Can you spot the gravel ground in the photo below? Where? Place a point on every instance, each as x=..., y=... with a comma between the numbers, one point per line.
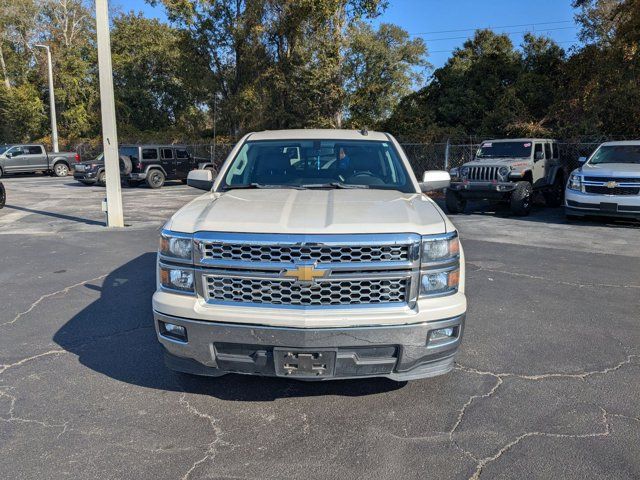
x=546, y=385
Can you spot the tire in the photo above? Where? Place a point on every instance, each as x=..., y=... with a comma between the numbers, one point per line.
x=61, y=169
x=0, y=173
x=155, y=178
x=3, y=195
x=454, y=202
x=521, y=199
x=554, y=197
x=101, y=179
x=125, y=164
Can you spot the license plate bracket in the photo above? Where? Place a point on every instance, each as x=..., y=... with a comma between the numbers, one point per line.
x=310, y=363
x=608, y=207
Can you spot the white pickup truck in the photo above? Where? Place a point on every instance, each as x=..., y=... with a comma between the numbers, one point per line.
x=313, y=255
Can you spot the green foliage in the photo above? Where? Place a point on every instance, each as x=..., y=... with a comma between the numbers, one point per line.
x=21, y=113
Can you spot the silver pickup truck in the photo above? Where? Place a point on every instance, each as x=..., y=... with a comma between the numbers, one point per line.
x=31, y=158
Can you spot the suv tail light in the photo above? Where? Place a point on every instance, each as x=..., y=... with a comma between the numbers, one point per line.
x=77, y=157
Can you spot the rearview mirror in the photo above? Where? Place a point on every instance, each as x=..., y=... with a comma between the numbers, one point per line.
x=435, y=180
x=582, y=160
x=200, y=179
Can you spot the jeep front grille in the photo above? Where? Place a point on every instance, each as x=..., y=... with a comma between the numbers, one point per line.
x=483, y=173
x=322, y=293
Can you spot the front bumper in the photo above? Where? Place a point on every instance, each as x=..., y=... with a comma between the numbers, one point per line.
x=399, y=352
x=475, y=189
x=582, y=204
x=89, y=177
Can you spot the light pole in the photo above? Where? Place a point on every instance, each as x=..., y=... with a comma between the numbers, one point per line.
x=52, y=100
x=115, y=217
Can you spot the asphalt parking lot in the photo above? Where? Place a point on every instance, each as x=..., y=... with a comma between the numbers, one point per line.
x=547, y=381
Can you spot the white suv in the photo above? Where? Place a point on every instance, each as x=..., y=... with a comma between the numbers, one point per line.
x=313, y=255
x=607, y=184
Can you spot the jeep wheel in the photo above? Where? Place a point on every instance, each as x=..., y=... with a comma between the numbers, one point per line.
x=521, y=199
x=155, y=178
x=554, y=197
x=101, y=180
x=60, y=169
x=454, y=202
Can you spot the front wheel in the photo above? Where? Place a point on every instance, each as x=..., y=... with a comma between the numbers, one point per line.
x=155, y=179
x=521, y=199
x=60, y=169
x=454, y=202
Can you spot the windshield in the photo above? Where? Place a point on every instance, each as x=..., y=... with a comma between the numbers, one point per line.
x=504, y=150
x=317, y=164
x=616, y=154
x=4, y=148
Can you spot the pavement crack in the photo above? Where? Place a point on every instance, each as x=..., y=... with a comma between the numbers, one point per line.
x=63, y=291
x=212, y=447
x=482, y=463
x=559, y=282
x=10, y=416
x=7, y=366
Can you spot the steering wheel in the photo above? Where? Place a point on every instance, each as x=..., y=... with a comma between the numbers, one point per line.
x=363, y=173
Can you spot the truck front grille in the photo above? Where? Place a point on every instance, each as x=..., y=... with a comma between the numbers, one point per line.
x=483, y=173
x=308, y=271
x=304, y=253
x=602, y=190
x=286, y=292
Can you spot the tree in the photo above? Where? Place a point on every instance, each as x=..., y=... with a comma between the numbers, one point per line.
x=380, y=68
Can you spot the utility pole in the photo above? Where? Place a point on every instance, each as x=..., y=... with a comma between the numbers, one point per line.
x=52, y=100
x=107, y=106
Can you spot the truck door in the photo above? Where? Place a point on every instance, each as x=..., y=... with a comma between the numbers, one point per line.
x=539, y=164
x=16, y=160
x=168, y=162
x=183, y=163
x=37, y=157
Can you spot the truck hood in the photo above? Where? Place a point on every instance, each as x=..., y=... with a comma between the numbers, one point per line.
x=311, y=212
x=612, y=170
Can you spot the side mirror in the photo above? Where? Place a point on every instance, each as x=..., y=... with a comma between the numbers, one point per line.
x=539, y=156
x=9, y=155
x=200, y=179
x=582, y=160
x=435, y=180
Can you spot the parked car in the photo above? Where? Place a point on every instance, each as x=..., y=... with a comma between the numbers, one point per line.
x=90, y=172
x=317, y=257
x=154, y=164
x=606, y=184
x=31, y=158
x=509, y=171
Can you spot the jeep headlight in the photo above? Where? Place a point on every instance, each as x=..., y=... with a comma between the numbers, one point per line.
x=177, y=246
x=575, y=182
x=440, y=265
x=504, y=171
x=464, y=172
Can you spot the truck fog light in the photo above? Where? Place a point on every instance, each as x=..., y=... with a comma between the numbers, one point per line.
x=177, y=278
x=442, y=333
x=171, y=330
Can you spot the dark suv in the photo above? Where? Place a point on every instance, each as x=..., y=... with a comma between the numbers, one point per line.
x=152, y=164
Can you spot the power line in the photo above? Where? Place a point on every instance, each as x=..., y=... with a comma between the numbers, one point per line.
x=451, y=50
x=503, y=33
x=503, y=26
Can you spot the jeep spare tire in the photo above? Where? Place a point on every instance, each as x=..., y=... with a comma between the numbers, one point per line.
x=125, y=165
x=521, y=198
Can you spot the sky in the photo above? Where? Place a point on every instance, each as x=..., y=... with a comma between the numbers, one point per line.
x=434, y=20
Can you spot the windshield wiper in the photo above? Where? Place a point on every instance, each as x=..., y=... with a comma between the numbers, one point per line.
x=333, y=185
x=246, y=186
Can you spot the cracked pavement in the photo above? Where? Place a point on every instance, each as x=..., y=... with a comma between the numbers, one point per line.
x=546, y=385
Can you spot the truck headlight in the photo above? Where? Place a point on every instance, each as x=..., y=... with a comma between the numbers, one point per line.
x=176, y=245
x=177, y=278
x=440, y=248
x=575, y=182
x=439, y=283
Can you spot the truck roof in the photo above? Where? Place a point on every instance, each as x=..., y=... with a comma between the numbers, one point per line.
x=318, y=134
x=498, y=140
x=622, y=143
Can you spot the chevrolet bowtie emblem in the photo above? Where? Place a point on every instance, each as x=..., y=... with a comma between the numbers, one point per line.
x=305, y=273
x=611, y=184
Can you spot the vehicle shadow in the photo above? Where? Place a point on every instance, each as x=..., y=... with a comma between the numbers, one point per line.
x=115, y=336
x=61, y=216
